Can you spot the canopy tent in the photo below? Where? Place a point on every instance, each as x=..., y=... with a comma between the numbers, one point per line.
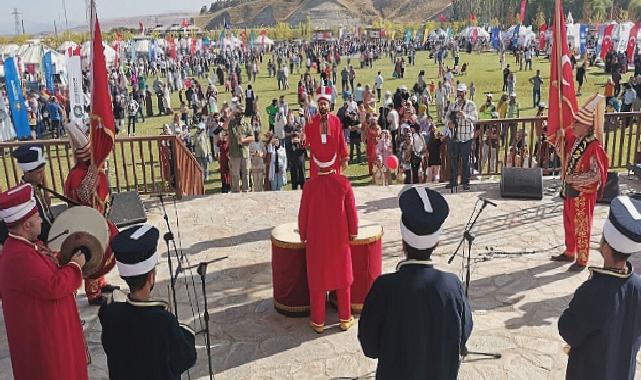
x=263, y=40
x=480, y=32
x=524, y=37
x=31, y=54
x=85, y=54
x=9, y=50
x=437, y=33
x=142, y=46
x=64, y=47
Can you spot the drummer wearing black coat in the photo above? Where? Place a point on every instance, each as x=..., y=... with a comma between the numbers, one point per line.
x=417, y=320
x=142, y=340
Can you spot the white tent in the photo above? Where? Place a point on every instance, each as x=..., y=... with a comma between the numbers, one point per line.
x=64, y=47
x=85, y=54
x=437, y=33
x=263, y=40
x=469, y=31
x=142, y=46
x=31, y=54
x=9, y=50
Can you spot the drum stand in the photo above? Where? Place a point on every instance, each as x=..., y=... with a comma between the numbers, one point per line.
x=469, y=238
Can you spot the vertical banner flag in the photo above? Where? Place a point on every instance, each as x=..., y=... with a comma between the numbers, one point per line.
x=599, y=41
x=523, y=9
x=16, y=99
x=563, y=104
x=624, y=35
x=583, y=37
x=607, y=43
x=515, y=36
x=632, y=41
x=542, y=29
x=6, y=128
x=76, y=96
x=103, y=128
x=47, y=64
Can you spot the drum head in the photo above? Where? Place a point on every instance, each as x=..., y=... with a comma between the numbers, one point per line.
x=75, y=219
x=87, y=243
x=287, y=235
x=368, y=232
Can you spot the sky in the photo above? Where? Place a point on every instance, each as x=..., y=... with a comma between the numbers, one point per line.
x=37, y=14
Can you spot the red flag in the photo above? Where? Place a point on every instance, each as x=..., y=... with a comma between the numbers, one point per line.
x=184, y=23
x=172, y=48
x=263, y=32
x=102, y=128
x=442, y=18
x=141, y=26
x=523, y=9
x=472, y=17
x=632, y=41
x=563, y=103
x=542, y=40
x=606, y=45
x=474, y=36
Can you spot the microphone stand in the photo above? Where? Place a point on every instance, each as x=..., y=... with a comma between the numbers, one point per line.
x=167, y=237
x=467, y=236
x=202, y=271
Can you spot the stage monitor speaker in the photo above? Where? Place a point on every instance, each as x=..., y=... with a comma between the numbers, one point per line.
x=522, y=183
x=127, y=209
x=611, y=189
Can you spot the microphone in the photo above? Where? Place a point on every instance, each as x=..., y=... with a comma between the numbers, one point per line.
x=485, y=200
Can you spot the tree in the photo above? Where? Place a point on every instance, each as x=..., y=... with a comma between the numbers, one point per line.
x=203, y=10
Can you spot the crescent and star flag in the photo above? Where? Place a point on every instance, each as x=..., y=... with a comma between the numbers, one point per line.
x=606, y=45
x=632, y=41
x=16, y=99
x=562, y=95
x=103, y=128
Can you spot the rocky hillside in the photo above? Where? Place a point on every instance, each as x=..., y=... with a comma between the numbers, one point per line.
x=323, y=13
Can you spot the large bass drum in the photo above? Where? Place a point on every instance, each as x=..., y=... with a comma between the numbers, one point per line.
x=80, y=229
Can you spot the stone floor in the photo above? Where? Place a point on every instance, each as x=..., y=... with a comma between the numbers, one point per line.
x=516, y=298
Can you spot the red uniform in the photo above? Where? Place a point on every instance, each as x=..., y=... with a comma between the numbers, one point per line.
x=331, y=150
x=326, y=219
x=43, y=326
x=587, y=169
x=91, y=189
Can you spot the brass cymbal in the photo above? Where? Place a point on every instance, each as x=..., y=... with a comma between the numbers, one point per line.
x=86, y=243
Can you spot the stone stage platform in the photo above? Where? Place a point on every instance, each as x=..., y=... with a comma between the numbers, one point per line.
x=516, y=298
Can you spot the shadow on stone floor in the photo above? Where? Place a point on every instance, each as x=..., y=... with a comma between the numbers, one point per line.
x=539, y=313
x=230, y=241
x=378, y=205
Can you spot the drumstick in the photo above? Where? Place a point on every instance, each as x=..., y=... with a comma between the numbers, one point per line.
x=65, y=232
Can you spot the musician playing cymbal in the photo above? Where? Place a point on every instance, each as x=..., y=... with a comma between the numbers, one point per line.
x=32, y=162
x=141, y=338
x=38, y=297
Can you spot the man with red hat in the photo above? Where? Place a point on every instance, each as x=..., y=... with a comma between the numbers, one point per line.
x=324, y=137
x=586, y=173
x=88, y=186
x=38, y=297
x=327, y=221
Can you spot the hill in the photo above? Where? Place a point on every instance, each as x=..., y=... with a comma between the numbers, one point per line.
x=323, y=13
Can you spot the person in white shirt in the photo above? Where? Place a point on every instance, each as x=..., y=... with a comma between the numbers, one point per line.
x=379, y=85
x=461, y=117
x=392, y=122
x=359, y=93
x=256, y=153
x=277, y=165
x=132, y=111
x=439, y=100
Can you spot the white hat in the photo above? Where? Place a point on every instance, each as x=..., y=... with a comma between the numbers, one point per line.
x=461, y=87
x=622, y=229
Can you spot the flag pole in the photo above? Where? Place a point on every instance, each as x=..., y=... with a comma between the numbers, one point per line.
x=559, y=63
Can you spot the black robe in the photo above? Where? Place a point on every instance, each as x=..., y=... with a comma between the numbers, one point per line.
x=602, y=325
x=144, y=341
x=416, y=323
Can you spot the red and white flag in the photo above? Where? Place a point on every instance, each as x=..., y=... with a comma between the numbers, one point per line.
x=632, y=41
x=563, y=104
x=607, y=43
x=523, y=10
x=103, y=128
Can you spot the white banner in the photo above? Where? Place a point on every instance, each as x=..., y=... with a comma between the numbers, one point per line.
x=6, y=128
x=76, y=96
x=623, y=36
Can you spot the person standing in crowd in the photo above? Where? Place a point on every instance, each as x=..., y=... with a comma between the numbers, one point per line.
x=141, y=338
x=55, y=116
x=202, y=150
x=257, y=154
x=462, y=115
x=223, y=146
x=373, y=134
x=586, y=173
x=327, y=221
x=296, y=162
x=434, y=143
x=132, y=113
x=581, y=75
x=240, y=136
x=537, y=82
x=379, y=86
x=393, y=121
x=43, y=327
x=278, y=165
x=417, y=320
x=272, y=111
x=418, y=146
x=602, y=324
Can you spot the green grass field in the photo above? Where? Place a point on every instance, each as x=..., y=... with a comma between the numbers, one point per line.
x=484, y=70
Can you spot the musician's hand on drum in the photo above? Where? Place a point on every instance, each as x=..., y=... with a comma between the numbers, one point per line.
x=79, y=258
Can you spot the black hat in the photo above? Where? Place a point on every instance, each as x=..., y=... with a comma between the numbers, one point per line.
x=135, y=250
x=423, y=212
x=622, y=229
x=30, y=157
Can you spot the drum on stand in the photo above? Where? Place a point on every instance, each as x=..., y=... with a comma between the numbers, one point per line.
x=367, y=263
x=289, y=271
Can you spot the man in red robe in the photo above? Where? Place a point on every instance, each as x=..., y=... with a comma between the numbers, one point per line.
x=324, y=137
x=88, y=186
x=327, y=221
x=45, y=337
x=586, y=173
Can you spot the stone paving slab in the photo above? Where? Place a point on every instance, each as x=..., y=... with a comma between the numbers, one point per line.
x=516, y=299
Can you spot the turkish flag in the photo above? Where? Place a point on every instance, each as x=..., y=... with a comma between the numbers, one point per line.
x=564, y=99
x=606, y=45
x=103, y=128
x=632, y=41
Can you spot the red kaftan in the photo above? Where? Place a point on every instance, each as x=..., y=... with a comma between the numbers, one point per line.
x=43, y=327
x=326, y=219
x=587, y=177
x=96, y=196
x=334, y=147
